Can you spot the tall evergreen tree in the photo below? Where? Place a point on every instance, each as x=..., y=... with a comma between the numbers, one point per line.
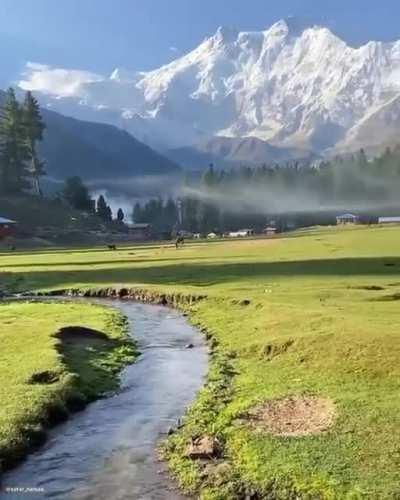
x=102, y=209
x=77, y=194
x=190, y=209
x=109, y=214
x=209, y=219
x=170, y=213
x=14, y=151
x=34, y=128
x=137, y=214
x=120, y=215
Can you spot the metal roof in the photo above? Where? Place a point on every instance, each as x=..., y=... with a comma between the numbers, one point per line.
x=3, y=220
x=389, y=219
x=347, y=216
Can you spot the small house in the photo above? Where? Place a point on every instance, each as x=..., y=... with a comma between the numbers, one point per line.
x=347, y=219
x=140, y=231
x=389, y=220
x=242, y=233
x=7, y=227
x=270, y=231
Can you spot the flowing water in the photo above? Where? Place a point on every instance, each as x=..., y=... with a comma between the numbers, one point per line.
x=108, y=451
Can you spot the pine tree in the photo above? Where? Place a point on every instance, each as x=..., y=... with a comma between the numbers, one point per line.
x=208, y=211
x=101, y=207
x=109, y=214
x=34, y=128
x=137, y=214
x=13, y=146
x=3, y=163
x=120, y=215
x=170, y=214
x=189, y=207
x=103, y=210
x=77, y=194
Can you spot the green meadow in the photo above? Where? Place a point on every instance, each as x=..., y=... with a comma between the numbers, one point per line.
x=309, y=314
x=43, y=376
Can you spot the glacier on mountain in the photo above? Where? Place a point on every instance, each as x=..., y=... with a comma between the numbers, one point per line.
x=291, y=85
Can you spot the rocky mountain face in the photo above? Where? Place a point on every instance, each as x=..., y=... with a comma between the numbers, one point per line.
x=234, y=152
x=292, y=86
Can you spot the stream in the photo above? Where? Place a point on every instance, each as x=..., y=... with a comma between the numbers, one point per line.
x=108, y=451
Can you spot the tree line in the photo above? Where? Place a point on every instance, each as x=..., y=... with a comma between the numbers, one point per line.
x=21, y=129
x=303, y=195
x=21, y=167
x=77, y=194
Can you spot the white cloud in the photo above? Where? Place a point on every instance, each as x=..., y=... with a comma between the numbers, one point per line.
x=174, y=49
x=37, y=66
x=56, y=81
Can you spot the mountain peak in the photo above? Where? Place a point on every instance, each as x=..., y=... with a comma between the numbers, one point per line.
x=226, y=34
x=296, y=84
x=121, y=75
x=294, y=25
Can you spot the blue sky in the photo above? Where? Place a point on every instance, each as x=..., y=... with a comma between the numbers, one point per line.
x=99, y=35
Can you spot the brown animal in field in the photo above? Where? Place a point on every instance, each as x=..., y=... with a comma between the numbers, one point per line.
x=112, y=247
x=180, y=241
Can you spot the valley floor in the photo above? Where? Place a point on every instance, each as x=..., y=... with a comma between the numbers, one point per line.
x=310, y=317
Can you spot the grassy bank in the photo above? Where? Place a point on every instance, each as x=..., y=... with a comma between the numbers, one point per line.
x=46, y=371
x=311, y=315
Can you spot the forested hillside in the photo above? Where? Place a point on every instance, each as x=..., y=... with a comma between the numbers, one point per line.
x=96, y=151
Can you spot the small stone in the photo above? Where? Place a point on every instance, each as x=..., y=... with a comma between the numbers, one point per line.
x=202, y=448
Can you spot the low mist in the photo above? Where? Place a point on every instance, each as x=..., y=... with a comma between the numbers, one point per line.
x=279, y=201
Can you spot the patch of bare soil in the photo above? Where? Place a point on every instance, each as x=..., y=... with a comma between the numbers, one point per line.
x=294, y=416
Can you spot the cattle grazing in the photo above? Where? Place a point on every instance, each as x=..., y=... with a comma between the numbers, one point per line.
x=180, y=241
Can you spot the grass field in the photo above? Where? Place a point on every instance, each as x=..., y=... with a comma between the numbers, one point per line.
x=43, y=376
x=314, y=313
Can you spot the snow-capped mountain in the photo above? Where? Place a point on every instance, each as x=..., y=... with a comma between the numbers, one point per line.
x=292, y=86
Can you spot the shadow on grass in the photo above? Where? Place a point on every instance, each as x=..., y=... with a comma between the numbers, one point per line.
x=205, y=274
x=128, y=260
x=54, y=250
x=96, y=358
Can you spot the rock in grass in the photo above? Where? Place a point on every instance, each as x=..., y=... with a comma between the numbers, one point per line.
x=202, y=448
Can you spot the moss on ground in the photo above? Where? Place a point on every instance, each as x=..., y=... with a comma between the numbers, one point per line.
x=313, y=314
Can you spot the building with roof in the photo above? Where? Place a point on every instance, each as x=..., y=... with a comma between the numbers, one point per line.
x=389, y=220
x=270, y=230
x=139, y=232
x=242, y=233
x=7, y=227
x=347, y=219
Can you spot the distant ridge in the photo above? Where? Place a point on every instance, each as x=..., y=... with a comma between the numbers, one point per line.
x=229, y=152
x=96, y=151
